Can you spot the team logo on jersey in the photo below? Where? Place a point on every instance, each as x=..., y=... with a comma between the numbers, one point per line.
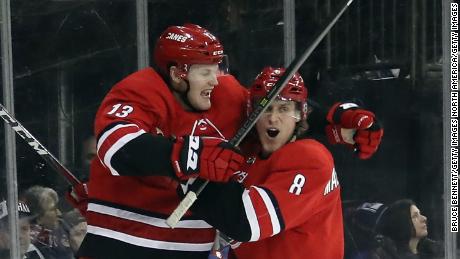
x=332, y=184
x=202, y=124
x=176, y=37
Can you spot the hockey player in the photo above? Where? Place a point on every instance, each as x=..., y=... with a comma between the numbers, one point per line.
x=286, y=203
x=129, y=199
x=27, y=250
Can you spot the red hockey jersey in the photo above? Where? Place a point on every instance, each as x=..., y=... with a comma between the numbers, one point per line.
x=126, y=214
x=293, y=205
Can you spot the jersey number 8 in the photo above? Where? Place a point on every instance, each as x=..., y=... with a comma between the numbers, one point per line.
x=297, y=184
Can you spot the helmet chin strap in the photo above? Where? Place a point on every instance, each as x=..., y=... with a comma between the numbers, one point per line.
x=184, y=96
x=297, y=125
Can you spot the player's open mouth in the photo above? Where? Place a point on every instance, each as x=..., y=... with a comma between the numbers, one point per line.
x=272, y=132
x=206, y=93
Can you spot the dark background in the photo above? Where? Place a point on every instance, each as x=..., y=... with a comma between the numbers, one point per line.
x=87, y=46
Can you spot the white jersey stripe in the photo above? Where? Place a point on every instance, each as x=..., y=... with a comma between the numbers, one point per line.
x=107, y=133
x=115, y=147
x=149, y=220
x=139, y=241
x=251, y=215
x=271, y=210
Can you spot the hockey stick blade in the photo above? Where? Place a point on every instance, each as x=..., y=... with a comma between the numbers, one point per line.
x=262, y=105
x=37, y=146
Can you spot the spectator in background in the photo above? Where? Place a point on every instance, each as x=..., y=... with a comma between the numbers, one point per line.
x=88, y=152
x=47, y=231
x=362, y=235
x=76, y=225
x=405, y=233
x=27, y=249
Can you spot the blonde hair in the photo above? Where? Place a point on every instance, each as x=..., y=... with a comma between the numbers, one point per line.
x=37, y=197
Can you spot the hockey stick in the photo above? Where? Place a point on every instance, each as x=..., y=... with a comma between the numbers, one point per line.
x=262, y=105
x=37, y=146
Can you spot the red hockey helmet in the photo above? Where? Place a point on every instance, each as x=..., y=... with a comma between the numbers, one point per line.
x=186, y=45
x=294, y=90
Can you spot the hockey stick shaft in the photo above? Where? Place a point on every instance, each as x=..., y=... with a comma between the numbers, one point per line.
x=37, y=146
x=262, y=105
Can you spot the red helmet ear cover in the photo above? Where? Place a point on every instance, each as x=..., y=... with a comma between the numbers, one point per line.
x=294, y=90
x=186, y=45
